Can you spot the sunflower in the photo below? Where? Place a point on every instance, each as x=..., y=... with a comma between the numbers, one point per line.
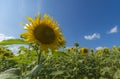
x=68, y=50
x=45, y=32
x=74, y=49
x=106, y=50
x=84, y=51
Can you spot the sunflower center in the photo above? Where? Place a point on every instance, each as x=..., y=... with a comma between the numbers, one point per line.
x=44, y=34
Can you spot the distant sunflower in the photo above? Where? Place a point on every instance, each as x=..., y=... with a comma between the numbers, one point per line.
x=68, y=50
x=74, y=49
x=44, y=32
x=84, y=51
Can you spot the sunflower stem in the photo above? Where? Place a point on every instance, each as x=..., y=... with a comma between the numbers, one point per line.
x=39, y=57
x=39, y=61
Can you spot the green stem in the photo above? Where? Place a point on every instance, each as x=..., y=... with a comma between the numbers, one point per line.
x=39, y=62
x=39, y=57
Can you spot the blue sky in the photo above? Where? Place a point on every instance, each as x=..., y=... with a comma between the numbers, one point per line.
x=91, y=23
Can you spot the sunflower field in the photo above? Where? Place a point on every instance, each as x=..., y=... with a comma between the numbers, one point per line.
x=46, y=56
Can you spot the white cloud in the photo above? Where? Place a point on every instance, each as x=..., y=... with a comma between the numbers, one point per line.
x=98, y=48
x=4, y=37
x=113, y=30
x=15, y=48
x=93, y=36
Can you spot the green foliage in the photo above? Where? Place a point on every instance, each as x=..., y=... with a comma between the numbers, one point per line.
x=13, y=41
x=6, y=59
x=12, y=73
x=100, y=64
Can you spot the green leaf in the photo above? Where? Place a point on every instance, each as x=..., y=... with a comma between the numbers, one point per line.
x=117, y=74
x=103, y=78
x=104, y=70
x=59, y=53
x=34, y=71
x=13, y=41
x=57, y=73
x=12, y=73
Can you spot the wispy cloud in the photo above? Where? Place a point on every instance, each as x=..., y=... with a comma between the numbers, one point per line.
x=98, y=48
x=113, y=30
x=93, y=36
x=4, y=37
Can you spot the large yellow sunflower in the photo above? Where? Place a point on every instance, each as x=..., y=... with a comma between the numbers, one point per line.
x=44, y=32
